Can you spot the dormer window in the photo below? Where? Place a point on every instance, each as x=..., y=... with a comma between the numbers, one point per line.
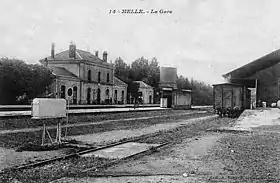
x=108, y=79
x=89, y=75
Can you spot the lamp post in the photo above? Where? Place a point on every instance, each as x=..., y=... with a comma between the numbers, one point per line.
x=69, y=93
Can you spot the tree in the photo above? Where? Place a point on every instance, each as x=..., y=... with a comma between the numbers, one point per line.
x=149, y=72
x=133, y=90
x=121, y=69
x=183, y=83
x=20, y=82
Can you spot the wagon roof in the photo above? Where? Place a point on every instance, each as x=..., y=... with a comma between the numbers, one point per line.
x=232, y=84
x=255, y=66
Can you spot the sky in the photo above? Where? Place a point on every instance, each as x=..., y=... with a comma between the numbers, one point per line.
x=202, y=38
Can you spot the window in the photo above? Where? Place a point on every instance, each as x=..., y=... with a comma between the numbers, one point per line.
x=122, y=97
x=99, y=77
x=62, y=91
x=108, y=78
x=75, y=89
x=89, y=75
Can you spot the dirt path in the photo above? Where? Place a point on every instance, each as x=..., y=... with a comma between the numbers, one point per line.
x=117, y=135
x=93, y=123
x=185, y=162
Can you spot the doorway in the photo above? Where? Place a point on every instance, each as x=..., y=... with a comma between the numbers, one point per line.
x=98, y=95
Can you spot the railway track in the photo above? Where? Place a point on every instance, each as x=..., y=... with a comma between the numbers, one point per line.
x=77, y=154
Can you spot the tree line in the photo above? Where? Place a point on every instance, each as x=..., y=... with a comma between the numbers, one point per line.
x=148, y=71
x=21, y=82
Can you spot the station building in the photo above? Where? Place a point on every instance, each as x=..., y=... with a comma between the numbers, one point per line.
x=86, y=77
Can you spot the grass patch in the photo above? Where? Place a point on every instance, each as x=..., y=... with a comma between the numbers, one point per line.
x=15, y=140
x=27, y=122
x=56, y=170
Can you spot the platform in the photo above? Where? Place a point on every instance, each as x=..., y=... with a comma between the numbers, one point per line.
x=81, y=111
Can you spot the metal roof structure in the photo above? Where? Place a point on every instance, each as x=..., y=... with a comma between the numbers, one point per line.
x=255, y=66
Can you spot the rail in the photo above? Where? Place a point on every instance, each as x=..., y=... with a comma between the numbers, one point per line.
x=47, y=161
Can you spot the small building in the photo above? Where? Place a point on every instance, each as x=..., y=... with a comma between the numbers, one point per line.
x=175, y=98
x=146, y=93
x=182, y=99
x=171, y=96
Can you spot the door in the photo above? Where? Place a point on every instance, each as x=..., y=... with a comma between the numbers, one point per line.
x=122, y=97
x=98, y=95
x=116, y=97
x=62, y=91
x=75, y=89
x=107, y=96
x=169, y=101
x=88, y=95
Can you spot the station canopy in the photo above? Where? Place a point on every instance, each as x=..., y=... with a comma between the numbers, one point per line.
x=241, y=74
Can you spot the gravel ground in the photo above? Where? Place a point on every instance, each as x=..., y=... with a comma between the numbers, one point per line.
x=73, y=167
x=250, y=157
x=208, y=157
x=14, y=140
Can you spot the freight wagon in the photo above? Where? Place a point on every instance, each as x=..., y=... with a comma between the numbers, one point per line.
x=231, y=99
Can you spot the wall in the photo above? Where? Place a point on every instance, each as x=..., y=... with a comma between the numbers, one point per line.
x=68, y=83
x=146, y=93
x=119, y=93
x=182, y=100
x=93, y=97
x=94, y=73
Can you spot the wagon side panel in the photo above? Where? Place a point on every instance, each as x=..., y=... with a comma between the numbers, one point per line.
x=218, y=97
x=227, y=97
x=237, y=97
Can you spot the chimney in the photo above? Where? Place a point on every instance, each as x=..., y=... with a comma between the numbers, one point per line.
x=46, y=62
x=96, y=53
x=72, y=50
x=105, y=54
x=52, y=51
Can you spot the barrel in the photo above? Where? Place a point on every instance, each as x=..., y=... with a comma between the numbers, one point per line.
x=264, y=104
x=278, y=103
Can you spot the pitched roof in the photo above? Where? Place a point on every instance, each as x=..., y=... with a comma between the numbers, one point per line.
x=143, y=85
x=80, y=55
x=118, y=82
x=59, y=71
x=255, y=66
